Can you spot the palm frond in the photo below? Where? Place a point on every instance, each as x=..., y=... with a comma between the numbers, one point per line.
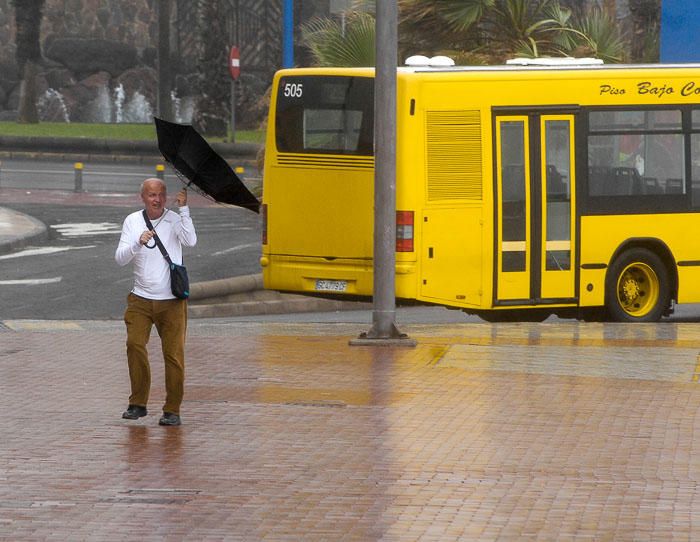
x=599, y=32
x=333, y=44
x=462, y=14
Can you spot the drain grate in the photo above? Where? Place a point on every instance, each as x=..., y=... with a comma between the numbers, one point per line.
x=331, y=404
x=157, y=496
x=145, y=500
x=11, y=352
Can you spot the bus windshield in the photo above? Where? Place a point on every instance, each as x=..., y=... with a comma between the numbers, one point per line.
x=329, y=114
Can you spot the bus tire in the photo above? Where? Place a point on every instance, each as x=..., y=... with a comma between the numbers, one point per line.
x=637, y=287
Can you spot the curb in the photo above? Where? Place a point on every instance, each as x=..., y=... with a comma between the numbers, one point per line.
x=245, y=296
x=109, y=147
x=289, y=304
x=32, y=230
x=223, y=287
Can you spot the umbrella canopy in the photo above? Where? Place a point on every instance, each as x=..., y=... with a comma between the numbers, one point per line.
x=192, y=157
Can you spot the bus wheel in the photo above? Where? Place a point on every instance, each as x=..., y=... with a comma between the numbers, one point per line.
x=637, y=287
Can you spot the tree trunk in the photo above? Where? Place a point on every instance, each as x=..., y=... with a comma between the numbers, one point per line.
x=165, y=109
x=646, y=24
x=28, y=54
x=28, y=112
x=212, y=109
x=610, y=6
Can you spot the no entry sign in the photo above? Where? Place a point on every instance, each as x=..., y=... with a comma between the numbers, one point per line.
x=234, y=62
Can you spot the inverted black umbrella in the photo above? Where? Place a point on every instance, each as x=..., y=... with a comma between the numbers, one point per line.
x=202, y=168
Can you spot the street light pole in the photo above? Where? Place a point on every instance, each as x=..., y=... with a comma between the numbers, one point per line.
x=384, y=330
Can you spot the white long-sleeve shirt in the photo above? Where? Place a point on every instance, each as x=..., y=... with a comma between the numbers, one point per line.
x=151, y=270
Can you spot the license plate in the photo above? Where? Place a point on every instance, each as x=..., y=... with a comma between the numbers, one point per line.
x=331, y=285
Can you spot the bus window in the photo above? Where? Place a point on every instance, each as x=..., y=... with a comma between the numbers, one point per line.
x=514, y=196
x=325, y=115
x=558, y=200
x=634, y=121
x=634, y=153
x=332, y=130
x=695, y=158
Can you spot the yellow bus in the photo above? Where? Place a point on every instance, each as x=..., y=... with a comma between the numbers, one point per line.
x=522, y=191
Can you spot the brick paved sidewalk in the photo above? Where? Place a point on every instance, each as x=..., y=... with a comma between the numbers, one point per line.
x=483, y=432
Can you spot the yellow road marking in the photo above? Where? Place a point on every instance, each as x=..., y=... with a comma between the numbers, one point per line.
x=437, y=353
x=696, y=374
x=42, y=325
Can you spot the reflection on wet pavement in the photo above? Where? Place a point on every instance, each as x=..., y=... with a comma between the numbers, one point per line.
x=481, y=432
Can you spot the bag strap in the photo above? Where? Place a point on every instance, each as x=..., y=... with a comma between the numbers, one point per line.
x=149, y=225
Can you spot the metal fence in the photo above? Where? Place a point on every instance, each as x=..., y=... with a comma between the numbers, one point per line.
x=255, y=26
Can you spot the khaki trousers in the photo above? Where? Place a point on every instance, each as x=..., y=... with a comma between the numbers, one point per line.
x=170, y=319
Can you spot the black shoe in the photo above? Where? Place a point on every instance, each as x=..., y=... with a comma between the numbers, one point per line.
x=134, y=412
x=168, y=418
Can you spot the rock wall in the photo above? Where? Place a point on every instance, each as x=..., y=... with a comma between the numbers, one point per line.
x=100, y=64
x=96, y=53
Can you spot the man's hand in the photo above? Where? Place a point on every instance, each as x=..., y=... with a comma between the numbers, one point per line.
x=146, y=237
x=181, y=198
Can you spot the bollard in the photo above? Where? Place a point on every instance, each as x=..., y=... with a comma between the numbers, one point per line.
x=239, y=169
x=160, y=171
x=78, y=167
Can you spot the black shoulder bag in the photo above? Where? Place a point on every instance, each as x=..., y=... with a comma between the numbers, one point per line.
x=179, y=282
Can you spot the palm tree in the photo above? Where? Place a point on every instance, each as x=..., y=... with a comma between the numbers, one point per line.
x=596, y=34
x=28, y=54
x=211, y=111
x=348, y=44
x=498, y=29
x=165, y=75
x=472, y=32
x=528, y=28
x=646, y=22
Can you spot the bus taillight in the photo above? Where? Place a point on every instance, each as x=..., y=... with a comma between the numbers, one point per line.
x=404, y=231
x=264, y=223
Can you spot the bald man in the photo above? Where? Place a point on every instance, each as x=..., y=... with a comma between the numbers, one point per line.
x=151, y=301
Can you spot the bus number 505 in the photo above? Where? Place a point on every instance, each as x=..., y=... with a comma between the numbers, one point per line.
x=293, y=90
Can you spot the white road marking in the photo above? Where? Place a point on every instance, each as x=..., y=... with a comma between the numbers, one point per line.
x=236, y=249
x=87, y=229
x=29, y=282
x=72, y=172
x=41, y=251
x=113, y=195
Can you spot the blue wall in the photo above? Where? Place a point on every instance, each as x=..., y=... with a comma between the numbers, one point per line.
x=680, y=31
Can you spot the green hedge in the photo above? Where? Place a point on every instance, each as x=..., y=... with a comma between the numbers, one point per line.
x=136, y=132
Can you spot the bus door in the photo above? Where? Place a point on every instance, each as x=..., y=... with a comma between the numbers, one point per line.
x=535, y=209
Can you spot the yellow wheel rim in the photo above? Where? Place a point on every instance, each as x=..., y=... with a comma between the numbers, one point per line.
x=638, y=289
